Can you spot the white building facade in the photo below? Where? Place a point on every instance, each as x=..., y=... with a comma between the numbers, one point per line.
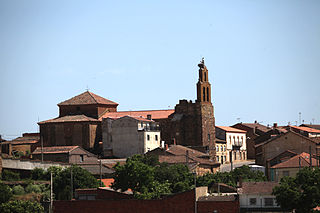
x=235, y=142
x=127, y=136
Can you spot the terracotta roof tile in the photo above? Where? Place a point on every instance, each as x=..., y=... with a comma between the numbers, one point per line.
x=231, y=129
x=69, y=118
x=87, y=98
x=313, y=126
x=306, y=129
x=55, y=149
x=294, y=162
x=256, y=125
x=155, y=114
x=257, y=188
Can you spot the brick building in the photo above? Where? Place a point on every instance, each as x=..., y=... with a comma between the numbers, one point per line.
x=78, y=122
x=25, y=144
x=253, y=130
x=193, y=124
x=65, y=154
x=107, y=200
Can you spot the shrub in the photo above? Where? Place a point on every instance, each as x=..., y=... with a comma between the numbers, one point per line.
x=18, y=190
x=38, y=174
x=9, y=175
x=5, y=193
x=33, y=188
x=20, y=206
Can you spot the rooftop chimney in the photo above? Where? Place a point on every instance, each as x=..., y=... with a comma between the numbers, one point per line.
x=149, y=117
x=275, y=125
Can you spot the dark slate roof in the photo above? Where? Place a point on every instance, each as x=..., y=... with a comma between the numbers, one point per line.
x=87, y=98
x=257, y=188
x=69, y=118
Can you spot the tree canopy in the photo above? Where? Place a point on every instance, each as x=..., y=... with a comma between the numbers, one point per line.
x=5, y=193
x=20, y=206
x=62, y=181
x=301, y=193
x=231, y=178
x=148, y=178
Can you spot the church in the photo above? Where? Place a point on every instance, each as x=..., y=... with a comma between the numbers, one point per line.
x=80, y=119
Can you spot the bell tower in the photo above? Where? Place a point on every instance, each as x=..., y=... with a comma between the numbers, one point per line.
x=203, y=85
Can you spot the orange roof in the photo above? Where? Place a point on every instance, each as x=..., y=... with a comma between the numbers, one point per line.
x=87, y=98
x=155, y=114
x=294, y=162
x=107, y=182
x=306, y=129
x=231, y=129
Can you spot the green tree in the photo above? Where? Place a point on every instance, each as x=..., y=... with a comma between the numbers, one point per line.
x=148, y=178
x=5, y=193
x=20, y=206
x=33, y=188
x=301, y=193
x=38, y=174
x=18, y=190
x=231, y=178
x=81, y=179
x=10, y=176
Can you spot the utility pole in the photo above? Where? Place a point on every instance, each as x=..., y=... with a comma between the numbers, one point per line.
x=310, y=156
x=100, y=173
x=71, y=182
x=231, y=162
x=51, y=193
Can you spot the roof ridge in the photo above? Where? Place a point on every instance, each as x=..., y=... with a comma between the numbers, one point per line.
x=91, y=94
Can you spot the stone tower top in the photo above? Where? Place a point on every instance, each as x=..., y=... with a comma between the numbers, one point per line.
x=203, y=85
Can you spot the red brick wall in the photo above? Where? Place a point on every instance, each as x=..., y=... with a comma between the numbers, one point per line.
x=221, y=206
x=183, y=202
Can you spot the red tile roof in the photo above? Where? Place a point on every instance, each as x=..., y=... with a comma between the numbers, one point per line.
x=26, y=139
x=155, y=114
x=138, y=118
x=289, y=131
x=294, y=162
x=256, y=125
x=55, y=149
x=306, y=129
x=69, y=118
x=107, y=182
x=231, y=129
x=177, y=154
x=87, y=98
x=257, y=188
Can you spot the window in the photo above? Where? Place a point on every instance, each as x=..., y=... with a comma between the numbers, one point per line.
x=217, y=147
x=253, y=201
x=221, y=148
x=156, y=137
x=224, y=148
x=268, y=201
x=204, y=93
x=285, y=173
x=148, y=137
x=207, y=93
x=225, y=158
x=81, y=158
x=208, y=137
x=217, y=158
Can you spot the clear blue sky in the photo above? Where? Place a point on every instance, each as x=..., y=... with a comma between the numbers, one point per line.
x=263, y=57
